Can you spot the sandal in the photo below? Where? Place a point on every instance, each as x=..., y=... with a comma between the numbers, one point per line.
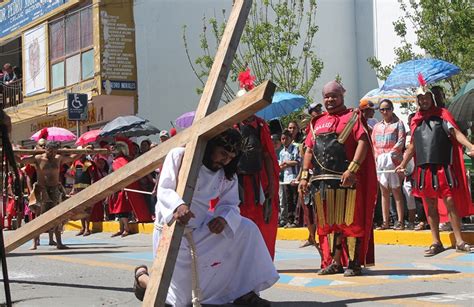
x=116, y=234
x=399, y=226
x=434, y=249
x=137, y=289
x=420, y=226
x=307, y=243
x=334, y=268
x=355, y=271
x=464, y=248
x=384, y=226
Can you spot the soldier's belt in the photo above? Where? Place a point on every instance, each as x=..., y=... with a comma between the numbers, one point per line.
x=340, y=206
x=325, y=177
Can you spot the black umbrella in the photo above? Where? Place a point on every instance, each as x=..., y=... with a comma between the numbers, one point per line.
x=463, y=107
x=121, y=124
x=141, y=130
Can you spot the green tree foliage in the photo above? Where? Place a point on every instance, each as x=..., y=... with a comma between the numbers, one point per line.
x=277, y=44
x=444, y=29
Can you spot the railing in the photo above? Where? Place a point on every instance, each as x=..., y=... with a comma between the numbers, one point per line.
x=11, y=94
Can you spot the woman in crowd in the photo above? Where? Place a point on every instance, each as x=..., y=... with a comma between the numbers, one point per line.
x=388, y=137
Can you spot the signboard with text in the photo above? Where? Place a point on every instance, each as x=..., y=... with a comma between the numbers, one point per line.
x=77, y=106
x=18, y=13
x=117, y=47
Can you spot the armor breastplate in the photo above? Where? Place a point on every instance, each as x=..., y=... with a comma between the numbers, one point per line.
x=330, y=155
x=82, y=176
x=432, y=143
x=251, y=159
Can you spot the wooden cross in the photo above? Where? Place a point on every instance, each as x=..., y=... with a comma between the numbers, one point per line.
x=209, y=122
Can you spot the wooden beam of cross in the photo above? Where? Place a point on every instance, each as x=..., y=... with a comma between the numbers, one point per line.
x=163, y=265
x=207, y=127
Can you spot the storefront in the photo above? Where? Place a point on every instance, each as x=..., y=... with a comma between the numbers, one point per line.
x=70, y=46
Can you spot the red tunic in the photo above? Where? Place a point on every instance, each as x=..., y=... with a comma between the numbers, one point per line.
x=248, y=208
x=97, y=213
x=125, y=201
x=366, y=185
x=459, y=193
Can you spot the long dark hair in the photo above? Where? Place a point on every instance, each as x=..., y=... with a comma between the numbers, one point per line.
x=231, y=141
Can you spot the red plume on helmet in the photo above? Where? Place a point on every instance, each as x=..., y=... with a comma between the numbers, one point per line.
x=246, y=80
x=421, y=80
x=43, y=134
x=423, y=89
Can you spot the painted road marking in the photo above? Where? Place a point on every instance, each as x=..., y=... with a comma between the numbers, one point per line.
x=448, y=298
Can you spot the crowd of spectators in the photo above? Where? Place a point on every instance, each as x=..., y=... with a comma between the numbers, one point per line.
x=397, y=208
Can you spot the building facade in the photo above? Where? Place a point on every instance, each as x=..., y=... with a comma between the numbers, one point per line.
x=67, y=46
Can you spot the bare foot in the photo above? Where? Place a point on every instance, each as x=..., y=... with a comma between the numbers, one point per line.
x=33, y=248
x=80, y=232
x=125, y=233
x=62, y=246
x=87, y=233
x=52, y=243
x=116, y=234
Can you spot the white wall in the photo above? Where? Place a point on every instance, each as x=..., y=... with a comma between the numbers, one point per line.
x=385, y=13
x=166, y=84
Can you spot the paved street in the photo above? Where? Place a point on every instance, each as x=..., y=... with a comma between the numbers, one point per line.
x=97, y=271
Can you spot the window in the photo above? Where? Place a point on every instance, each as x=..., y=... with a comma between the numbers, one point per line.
x=71, y=48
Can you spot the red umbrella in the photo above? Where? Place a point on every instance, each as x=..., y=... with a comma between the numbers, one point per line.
x=88, y=137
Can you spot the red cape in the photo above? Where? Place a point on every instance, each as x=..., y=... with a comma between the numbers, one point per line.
x=461, y=194
x=126, y=201
x=366, y=199
x=248, y=207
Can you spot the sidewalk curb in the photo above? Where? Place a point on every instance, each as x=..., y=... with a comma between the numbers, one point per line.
x=387, y=237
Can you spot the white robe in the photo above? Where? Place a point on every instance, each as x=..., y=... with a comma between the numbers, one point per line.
x=230, y=264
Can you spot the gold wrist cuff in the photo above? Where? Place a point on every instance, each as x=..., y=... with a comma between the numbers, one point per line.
x=353, y=167
x=304, y=175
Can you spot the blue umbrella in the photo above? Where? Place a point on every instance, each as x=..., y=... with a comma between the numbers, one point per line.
x=282, y=104
x=405, y=75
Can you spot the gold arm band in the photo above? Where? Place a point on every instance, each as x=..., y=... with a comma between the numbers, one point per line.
x=304, y=175
x=353, y=167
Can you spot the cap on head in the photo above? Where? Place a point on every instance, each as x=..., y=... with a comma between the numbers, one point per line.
x=164, y=133
x=366, y=104
x=314, y=106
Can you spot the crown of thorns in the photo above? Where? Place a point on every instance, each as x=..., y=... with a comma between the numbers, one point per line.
x=229, y=144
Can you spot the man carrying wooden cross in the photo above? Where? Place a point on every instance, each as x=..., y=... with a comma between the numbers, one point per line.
x=48, y=190
x=224, y=258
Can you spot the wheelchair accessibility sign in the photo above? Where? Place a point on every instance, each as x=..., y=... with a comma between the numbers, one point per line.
x=77, y=106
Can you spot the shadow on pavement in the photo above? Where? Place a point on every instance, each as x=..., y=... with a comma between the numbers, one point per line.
x=69, y=251
x=408, y=272
x=289, y=271
x=372, y=299
x=58, y=284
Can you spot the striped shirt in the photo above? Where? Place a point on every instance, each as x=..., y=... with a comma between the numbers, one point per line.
x=389, y=138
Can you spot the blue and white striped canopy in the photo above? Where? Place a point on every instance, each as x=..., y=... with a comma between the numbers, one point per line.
x=405, y=74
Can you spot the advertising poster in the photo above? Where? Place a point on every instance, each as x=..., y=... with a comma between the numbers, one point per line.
x=34, y=53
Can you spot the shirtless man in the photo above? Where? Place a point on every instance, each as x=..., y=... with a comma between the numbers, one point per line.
x=48, y=189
